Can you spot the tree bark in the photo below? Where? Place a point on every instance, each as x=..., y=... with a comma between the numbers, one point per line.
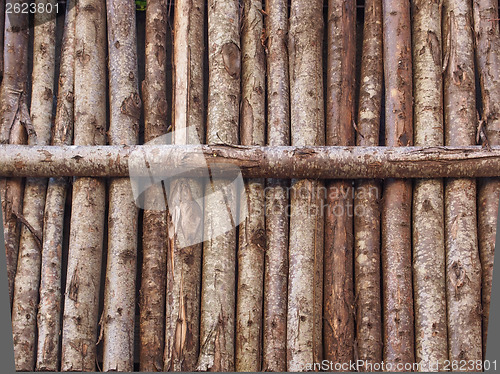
x=118, y=321
x=367, y=196
x=252, y=242
x=154, y=238
x=463, y=268
x=80, y=319
x=217, y=324
x=305, y=280
x=276, y=220
x=27, y=280
x=487, y=41
x=338, y=257
x=14, y=114
x=2, y=28
x=429, y=281
x=396, y=204
x=185, y=219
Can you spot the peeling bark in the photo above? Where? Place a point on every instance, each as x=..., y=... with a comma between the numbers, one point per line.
x=463, y=268
x=276, y=219
x=305, y=279
x=487, y=42
x=338, y=257
x=431, y=346
x=118, y=321
x=14, y=115
x=80, y=319
x=367, y=196
x=27, y=281
x=218, y=299
x=396, y=204
x=252, y=243
x=185, y=219
x=154, y=239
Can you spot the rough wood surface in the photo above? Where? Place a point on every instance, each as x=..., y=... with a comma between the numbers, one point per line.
x=185, y=219
x=305, y=279
x=27, y=281
x=251, y=243
x=2, y=28
x=80, y=318
x=396, y=203
x=431, y=346
x=367, y=273
x=118, y=320
x=487, y=42
x=218, y=283
x=338, y=275
x=154, y=240
x=276, y=220
x=463, y=268
x=14, y=113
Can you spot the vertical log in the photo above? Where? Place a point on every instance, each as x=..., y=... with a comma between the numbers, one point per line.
x=80, y=319
x=276, y=222
x=367, y=196
x=14, y=112
x=396, y=205
x=251, y=246
x=487, y=38
x=338, y=265
x=219, y=262
x=185, y=219
x=154, y=239
x=305, y=280
x=27, y=281
x=2, y=27
x=118, y=321
x=429, y=281
x=463, y=268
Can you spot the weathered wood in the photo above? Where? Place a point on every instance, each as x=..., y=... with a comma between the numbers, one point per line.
x=487, y=38
x=253, y=161
x=278, y=133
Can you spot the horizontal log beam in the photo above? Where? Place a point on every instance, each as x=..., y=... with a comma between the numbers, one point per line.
x=164, y=161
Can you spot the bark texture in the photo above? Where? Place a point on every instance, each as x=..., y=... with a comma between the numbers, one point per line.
x=14, y=115
x=429, y=281
x=338, y=257
x=305, y=279
x=2, y=28
x=487, y=42
x=118, y=321
x=251, y=243
x=50, y=306
x=80, y=319
x=396, y=205
x=27, y=281
x=185, y=220
x=276, y=221
x=367, y=196
x=463, y=268
x=154, y=240
x=218, y=300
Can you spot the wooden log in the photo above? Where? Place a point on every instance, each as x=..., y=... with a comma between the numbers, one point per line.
x=396, y=204
x=278, y=133
x=14, y=109
x=253, y=161
x=27, y=281
x=81, y=303
x=429, y=283
x=305, y=277
x=367, y=275
x=251, y=241
x=185, y=218
x=154, y=227
x=463, y=268
x=487, y=38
